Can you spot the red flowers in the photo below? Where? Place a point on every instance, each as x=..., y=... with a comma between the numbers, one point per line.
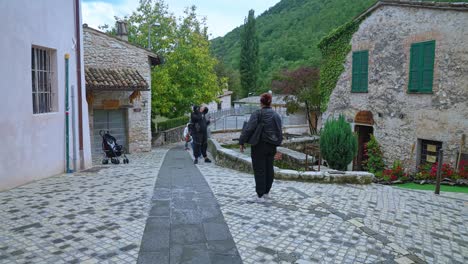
x=429, y=171
x=395, y=173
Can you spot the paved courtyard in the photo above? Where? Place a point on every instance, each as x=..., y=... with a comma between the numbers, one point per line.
x=100, y=216
x=321, y=223
x=91, y=217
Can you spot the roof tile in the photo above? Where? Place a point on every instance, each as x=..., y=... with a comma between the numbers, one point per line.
x=114, y=80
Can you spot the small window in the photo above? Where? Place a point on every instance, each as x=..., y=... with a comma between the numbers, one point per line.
x=421, y=73
x=360, y=71
x=43, y=80
x=429, y=151
x=219, y=105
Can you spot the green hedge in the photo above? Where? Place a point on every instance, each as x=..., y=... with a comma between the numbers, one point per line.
x=171, y=123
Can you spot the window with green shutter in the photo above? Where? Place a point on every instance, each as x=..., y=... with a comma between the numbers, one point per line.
x=421, y=73
x=360, y=71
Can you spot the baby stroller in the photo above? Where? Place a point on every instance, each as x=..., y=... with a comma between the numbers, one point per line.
x=111, y=149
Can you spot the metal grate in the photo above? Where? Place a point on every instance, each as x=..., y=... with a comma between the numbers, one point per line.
x=41, y=71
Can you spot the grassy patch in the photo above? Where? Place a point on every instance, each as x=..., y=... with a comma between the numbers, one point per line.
x=431, y=187
x=231, y=146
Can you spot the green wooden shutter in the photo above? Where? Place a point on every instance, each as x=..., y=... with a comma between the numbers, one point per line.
x=415, y=50
x=356, y=72
x=360, y=71
x=364, y=70
x=428, y=66
x=421, y=73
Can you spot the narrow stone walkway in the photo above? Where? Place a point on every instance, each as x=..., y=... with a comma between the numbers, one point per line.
x=185, y=223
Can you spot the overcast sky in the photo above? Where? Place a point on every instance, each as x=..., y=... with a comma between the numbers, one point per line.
x=222, y=15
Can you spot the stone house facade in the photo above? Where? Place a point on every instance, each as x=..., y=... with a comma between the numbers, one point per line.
x=118, y=78
x=406, y=81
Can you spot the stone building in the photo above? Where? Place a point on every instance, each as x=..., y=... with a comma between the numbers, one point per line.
x=406, y=81
x=118, y=86
x=36, y=50
x=224, y=102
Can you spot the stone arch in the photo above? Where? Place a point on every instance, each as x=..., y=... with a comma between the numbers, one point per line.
x=364, y=117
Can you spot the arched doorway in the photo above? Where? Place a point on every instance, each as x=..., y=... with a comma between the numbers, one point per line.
x=363, y=127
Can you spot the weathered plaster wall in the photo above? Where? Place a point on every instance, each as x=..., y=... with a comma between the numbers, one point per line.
x=442, y=116
x=225, y=104
x=33, y=145
x=103, y=51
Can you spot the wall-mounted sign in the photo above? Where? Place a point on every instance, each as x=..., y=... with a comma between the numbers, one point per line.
x=432, y=148
x=364, y=117
x=110, y=104
x=431, y=158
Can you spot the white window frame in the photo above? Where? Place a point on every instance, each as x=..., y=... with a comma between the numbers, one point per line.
x=44, y=80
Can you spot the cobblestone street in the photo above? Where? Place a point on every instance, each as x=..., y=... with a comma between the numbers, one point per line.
x=321, y=223
x=99, y=216
x=89, y=217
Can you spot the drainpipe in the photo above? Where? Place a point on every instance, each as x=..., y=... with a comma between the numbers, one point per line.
x=67, y=116
x=78, y=79
x=73, y=107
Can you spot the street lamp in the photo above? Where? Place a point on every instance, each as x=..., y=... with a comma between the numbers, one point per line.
x=156, y=24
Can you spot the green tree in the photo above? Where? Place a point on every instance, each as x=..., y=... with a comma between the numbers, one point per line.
x=249, y=60
x=288, y=35
x=228, y=79
x=154, y=17
x=301, y=88
x=187, y=75
x=338, y=144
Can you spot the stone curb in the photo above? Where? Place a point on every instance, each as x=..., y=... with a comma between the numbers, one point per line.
x=235, y=160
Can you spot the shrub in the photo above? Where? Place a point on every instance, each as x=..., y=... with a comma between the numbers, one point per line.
x=374, y=162
x=378, y=174
x=171, y=123
x=338, y=144
x=395, y=173
x=424, y=172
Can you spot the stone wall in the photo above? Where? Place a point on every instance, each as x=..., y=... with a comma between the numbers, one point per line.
x=238, y=161
x=103, y=51
x=228, y=136
x=172, y=135
x=402, y=118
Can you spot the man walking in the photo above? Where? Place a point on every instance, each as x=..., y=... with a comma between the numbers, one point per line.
x=200, y=132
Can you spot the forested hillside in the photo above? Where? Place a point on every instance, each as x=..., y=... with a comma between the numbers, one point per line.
x=288, y=34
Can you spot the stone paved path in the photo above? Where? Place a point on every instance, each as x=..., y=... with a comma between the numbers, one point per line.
x=320, y=223
x=89, y=217
x=99, y=217
x=185, y=224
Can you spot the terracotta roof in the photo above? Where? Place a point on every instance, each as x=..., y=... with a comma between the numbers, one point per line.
x=114, y=80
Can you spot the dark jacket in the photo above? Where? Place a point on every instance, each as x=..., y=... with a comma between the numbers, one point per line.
x=272, y=132
x=199, y=122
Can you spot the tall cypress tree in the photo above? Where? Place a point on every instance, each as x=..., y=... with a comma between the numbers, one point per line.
x=249, y=60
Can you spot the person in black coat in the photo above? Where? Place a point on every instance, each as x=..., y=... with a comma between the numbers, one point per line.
x=200, y=132
x=263, y=151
